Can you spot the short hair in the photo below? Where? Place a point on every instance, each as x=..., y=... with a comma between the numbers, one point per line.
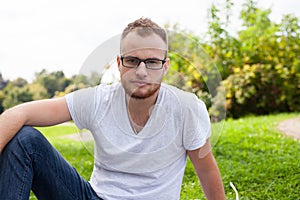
x=145, y=27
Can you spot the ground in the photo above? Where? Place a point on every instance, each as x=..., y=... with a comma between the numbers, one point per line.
x=291, y=127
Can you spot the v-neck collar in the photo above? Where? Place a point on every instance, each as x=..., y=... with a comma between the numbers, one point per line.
x=154, y=124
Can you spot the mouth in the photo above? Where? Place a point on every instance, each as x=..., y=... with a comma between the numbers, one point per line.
x=140, y=83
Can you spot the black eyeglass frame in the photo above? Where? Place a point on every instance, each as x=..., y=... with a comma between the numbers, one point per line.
x=144, y=61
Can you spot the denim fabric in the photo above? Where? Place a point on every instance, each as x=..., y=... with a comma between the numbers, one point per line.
x=30, y=162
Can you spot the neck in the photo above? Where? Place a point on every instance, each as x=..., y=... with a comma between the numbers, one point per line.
x=139, y=110
x=140, y=106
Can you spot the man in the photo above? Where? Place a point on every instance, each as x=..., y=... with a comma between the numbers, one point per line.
x=143, y=131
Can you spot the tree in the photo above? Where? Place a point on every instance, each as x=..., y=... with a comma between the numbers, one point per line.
x=15, y=95
x=1, y=101
x=38, y=91
x=54, y=81
x=223, y=48
x=260, y=65
x=265, y=77
x=19, y=82
x=2, y=82
x=191, y=67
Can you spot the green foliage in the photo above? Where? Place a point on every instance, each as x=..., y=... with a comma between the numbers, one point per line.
x=46, y=85
x=90, y=80
x=14, y=95
x=223, y=48
x=38, y=91
x=184, y=71
x=79, y=82
x=19, y=82
x=218, y=109
x=53, y=82
x=261, y=89
x=2, y=82
x=191, y=67
x=261, y=67
x=2, y=97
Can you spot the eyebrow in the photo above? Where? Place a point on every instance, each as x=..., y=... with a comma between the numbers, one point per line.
x=151, y=58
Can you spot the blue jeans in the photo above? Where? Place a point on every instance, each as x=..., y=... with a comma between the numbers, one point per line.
x=30, y=162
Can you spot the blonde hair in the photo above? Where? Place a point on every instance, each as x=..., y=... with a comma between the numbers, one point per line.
x=145, y=27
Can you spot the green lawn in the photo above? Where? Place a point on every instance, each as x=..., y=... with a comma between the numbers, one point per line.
x=251, y=153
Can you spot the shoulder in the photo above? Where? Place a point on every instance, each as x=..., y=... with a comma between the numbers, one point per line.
x=104, y=93
x=187, y=100
x=92, y=95
x=107, y=88
x=190, y=107
x=193, y=114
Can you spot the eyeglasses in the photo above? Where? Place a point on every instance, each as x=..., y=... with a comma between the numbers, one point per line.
x=150, y=63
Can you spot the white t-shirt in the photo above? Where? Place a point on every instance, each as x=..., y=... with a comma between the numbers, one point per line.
x=147, y=165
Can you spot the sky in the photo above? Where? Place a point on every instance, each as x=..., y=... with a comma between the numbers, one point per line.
x=61, y=34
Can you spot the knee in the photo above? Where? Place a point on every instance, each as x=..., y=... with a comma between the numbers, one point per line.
x=27, y=133
x=26, y=137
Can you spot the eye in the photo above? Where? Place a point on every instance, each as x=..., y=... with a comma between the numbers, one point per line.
x=153, y=62
x=131, y=60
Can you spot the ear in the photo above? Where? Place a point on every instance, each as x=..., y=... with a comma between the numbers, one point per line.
x=119, y=62
x=166, y=66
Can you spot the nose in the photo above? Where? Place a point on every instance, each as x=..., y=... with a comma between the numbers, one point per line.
x=141, y=70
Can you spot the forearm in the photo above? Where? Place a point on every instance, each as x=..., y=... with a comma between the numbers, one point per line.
x=212, y=184
x=36, y=113
x=208, y=172
x=10, y=124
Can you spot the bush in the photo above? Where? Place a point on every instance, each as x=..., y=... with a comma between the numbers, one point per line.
x=262, y=89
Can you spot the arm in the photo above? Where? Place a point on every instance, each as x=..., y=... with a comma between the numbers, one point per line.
x=36, y=113
x=207, y=171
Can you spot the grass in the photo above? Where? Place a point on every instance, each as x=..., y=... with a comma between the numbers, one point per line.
x=251, y=153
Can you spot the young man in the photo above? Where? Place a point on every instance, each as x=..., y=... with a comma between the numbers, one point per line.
x=143, y=131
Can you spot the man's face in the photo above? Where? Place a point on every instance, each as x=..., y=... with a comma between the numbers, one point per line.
x=141, y=82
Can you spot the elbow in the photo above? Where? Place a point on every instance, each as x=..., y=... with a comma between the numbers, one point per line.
x=14, y=115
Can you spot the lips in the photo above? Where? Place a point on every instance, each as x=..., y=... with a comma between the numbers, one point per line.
x=140, y=83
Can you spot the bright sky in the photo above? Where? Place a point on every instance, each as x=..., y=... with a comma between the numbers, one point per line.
x=60, y=34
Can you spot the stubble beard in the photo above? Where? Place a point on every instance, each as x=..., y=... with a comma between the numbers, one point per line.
x=140, y=95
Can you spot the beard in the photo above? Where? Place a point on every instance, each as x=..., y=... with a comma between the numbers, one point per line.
x=143, y=95
x=143, y=92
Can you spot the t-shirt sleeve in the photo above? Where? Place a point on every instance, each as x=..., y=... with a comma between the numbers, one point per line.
x=197, y=127
x=82, y=107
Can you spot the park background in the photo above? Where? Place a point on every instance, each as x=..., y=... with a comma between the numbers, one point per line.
x=259, y=65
